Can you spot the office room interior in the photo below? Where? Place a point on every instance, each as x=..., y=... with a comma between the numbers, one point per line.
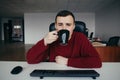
x=29, y=21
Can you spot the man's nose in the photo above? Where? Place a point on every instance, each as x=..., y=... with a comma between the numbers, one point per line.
x=64, y=26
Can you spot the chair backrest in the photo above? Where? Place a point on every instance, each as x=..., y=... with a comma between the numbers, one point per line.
x=113, y=41
x=79, y=27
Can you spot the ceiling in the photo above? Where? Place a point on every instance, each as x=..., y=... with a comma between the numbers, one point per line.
x=17, y=8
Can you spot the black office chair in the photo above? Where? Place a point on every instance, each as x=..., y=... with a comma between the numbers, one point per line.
x=113, y=41
x=79, y=27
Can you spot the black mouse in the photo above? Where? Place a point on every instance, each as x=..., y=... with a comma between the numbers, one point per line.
x=16, y=70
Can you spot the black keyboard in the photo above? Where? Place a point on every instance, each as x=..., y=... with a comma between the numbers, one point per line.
x=64, y=73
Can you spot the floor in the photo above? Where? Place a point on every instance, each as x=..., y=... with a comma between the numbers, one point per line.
x=13, y=51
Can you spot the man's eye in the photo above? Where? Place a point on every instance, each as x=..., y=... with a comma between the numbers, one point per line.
x=60, y=24
x=68, y=24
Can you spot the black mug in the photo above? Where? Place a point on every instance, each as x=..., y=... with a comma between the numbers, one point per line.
x=63, y=36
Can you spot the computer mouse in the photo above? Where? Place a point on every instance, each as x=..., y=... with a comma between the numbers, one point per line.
x=16, y=70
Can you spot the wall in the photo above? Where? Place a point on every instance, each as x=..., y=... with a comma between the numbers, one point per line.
x=36, y=24
x=0, y=30
x=108, y=21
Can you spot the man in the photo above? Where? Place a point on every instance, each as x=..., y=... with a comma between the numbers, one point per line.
x=78, y=53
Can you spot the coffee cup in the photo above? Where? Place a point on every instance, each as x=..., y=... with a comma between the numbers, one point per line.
x=63, y=36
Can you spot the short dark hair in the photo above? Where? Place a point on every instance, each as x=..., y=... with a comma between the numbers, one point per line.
x=64, y=13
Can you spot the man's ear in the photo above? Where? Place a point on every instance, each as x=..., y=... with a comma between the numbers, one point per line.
x=74, y=26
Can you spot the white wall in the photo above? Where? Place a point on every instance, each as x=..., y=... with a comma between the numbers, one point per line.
x=36, y=24
x=108, y=21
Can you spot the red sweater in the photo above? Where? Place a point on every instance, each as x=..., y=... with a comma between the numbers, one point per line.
x=79, y=51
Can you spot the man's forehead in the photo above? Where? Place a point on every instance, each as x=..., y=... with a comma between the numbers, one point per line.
x=66, y=19
x=63, y=23
x=69, y=16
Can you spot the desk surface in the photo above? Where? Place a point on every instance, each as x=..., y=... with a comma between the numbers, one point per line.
x=109, y=71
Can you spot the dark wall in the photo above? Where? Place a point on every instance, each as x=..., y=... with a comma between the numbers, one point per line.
x=0, y=30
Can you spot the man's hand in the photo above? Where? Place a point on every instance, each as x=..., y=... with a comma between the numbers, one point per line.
x=50, y=37
x=61, y=60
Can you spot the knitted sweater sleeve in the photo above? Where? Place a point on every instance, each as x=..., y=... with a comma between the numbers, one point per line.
x=88, y=58
x=37, y=53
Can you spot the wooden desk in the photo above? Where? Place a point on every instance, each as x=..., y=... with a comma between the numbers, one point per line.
x=109, y=54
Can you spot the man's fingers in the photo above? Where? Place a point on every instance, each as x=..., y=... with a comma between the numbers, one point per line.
x=54, y=32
